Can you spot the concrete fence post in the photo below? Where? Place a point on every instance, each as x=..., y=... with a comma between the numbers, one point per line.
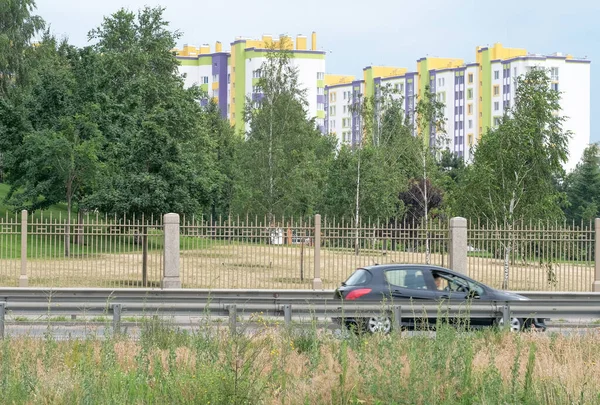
x=23, y=280
x=317, y=282
x=457, y=249
x=171, y=278
x=596, y=285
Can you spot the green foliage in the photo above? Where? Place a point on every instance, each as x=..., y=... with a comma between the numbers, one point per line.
x=582, y=186
x=17, y=28
x=284, y=159
x=514, y=166
x=53, y=156
x=154, y=135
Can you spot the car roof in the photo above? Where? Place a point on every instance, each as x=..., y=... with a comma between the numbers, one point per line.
x=383, y=267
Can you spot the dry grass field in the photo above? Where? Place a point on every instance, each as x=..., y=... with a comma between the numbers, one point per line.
x=305, y=366
x=274, y=267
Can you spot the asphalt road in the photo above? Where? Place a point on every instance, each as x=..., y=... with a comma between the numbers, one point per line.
x=81, y=329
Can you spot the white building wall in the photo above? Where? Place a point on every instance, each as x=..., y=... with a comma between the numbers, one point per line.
x=444, y=88
x=339, y=114
x=194, y=74
x=574, y=83
x=471, y=117
x=574, y=86
x=307, y=78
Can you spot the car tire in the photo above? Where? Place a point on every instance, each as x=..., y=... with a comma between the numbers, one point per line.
x=378, y=324
x=516, y=324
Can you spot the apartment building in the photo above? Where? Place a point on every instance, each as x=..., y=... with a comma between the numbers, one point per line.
x=230, y=77
x=475, y=94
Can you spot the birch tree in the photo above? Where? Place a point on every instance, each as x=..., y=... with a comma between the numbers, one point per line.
x=430, y=139
x=284, y=160
x=515, y=164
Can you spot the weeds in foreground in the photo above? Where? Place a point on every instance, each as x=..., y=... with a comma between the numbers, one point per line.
x=302, y=365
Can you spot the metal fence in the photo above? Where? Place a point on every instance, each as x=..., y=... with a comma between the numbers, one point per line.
x=251, y=253
x=91, y=250
x=540, y=256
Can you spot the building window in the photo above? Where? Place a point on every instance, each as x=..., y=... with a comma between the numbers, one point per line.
x=496, y=74
x=470, y=109
x=320, y=107
x=496, y=121
x=469, y=94
x=515, y=72
x=470, y=78
x=320, y=91
x=215, y=78
x=554, y=74
x=441, y=82
x=320, y=75
x=228, y=78
x=470, y=124
x=204, y=79
x=496, y=90
x=496, y=105
x=555, y=86
x=332, y=110
x=470, y=139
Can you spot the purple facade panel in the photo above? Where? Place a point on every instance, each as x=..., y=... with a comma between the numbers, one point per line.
x=219, y=67
x=409, y=100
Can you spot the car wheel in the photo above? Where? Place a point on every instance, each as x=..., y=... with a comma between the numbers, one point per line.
x=378, y=324
x=516, y=324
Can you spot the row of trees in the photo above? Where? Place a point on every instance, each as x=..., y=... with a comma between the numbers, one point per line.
x=111, y=127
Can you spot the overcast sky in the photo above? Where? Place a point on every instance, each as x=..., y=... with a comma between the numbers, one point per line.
x=358, y=34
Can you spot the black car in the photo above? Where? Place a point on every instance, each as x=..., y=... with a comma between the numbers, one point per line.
x=413, y=281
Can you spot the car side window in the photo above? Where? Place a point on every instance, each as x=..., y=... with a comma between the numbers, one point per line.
x=406, y=278
x=450, y=282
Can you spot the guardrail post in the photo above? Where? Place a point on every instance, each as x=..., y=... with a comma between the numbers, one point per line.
x=397, y=318
x=171, y=277
x=457, y=249
x=116, y=318
x=232, y=319
x=2, y=313
x=23, y=280
x=287, y=314
x=506, y=316
x=317, y=282
x=596, y=285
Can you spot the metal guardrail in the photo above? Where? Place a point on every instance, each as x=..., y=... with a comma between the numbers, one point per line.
x=288, y=304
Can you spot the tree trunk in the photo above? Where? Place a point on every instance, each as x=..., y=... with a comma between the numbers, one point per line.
x=356, y=217
x=68, y=230
x=144, y=255
x=426, y=209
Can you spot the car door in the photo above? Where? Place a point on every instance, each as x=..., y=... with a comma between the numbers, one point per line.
x=456, y=288
x=409, y=283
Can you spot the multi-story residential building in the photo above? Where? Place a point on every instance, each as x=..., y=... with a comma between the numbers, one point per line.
x=498, y=69
x=475, y=95
x=230, y=77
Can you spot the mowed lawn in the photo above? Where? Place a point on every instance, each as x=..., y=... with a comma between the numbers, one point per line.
x=206, y=263
x=114, y=260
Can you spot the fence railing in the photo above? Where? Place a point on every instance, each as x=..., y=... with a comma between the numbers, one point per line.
x=302, y=253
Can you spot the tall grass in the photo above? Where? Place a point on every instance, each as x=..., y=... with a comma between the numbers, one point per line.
x=280, y=366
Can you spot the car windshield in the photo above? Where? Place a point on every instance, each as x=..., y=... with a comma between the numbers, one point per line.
x=359, y=277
